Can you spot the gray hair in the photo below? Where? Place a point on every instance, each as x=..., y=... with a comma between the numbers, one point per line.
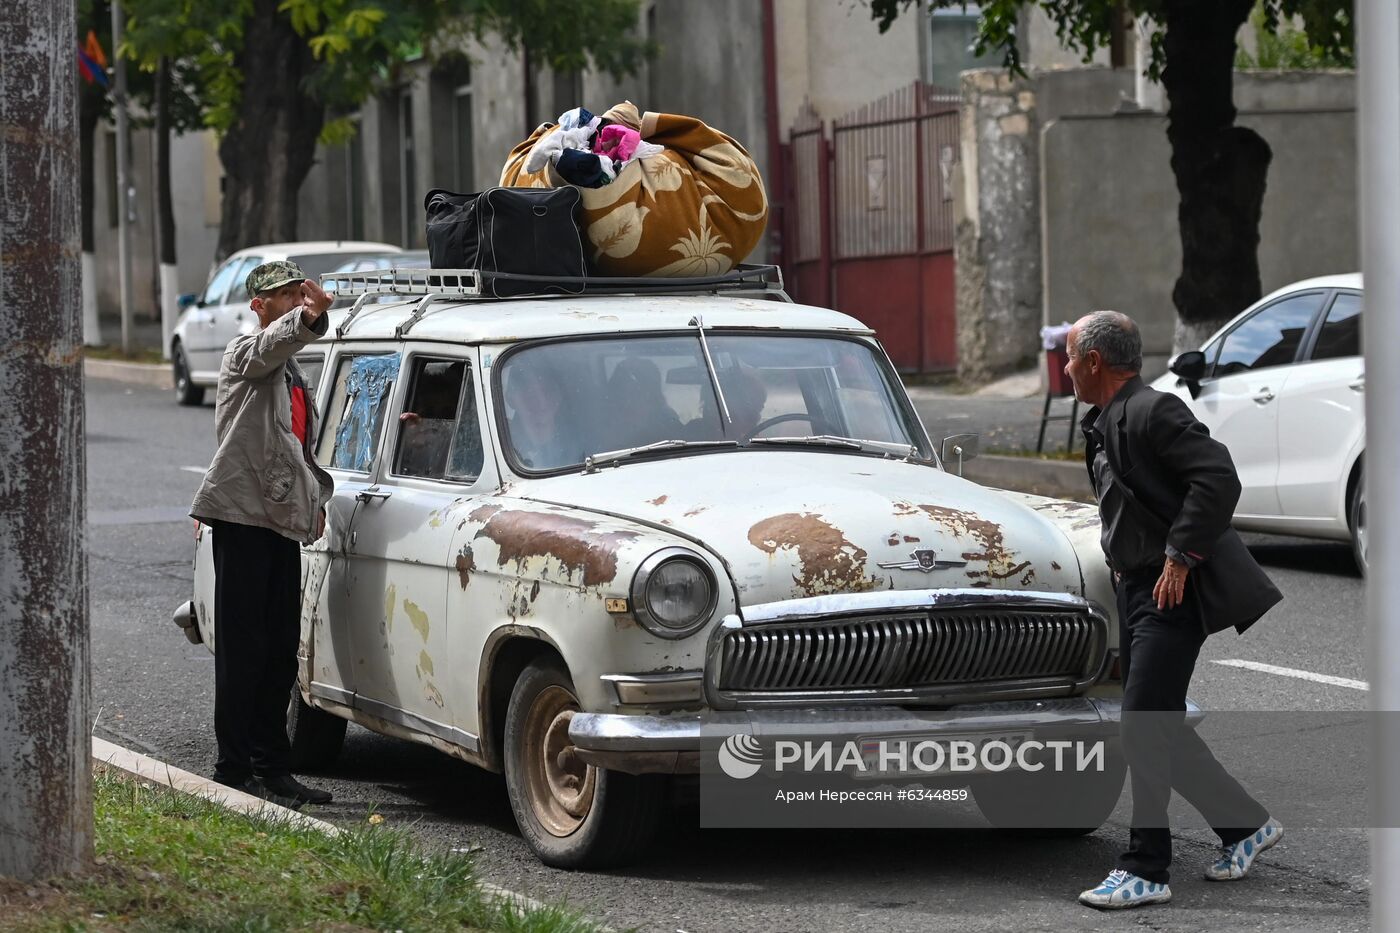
x=1115, y=336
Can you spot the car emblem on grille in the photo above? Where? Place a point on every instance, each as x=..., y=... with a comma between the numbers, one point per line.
x=924, y=559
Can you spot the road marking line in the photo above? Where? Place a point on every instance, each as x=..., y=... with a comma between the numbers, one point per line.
x=194, y=469
x=1294, y=672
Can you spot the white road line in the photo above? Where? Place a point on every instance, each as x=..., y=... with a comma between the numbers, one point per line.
x=194, y=469
x=1294, y=672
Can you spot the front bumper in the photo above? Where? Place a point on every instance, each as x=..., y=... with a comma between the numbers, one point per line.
x=673, y=744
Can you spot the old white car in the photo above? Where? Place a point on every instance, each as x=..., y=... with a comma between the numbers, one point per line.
x=572, y=532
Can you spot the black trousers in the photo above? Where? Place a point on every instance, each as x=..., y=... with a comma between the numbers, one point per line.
x=1159, y=649
x=257, y=596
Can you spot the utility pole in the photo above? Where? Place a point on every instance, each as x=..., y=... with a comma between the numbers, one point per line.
x=45, y=752
x=123, y=174
x=1378, y=123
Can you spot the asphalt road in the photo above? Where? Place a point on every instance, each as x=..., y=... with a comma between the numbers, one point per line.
x=154, y=692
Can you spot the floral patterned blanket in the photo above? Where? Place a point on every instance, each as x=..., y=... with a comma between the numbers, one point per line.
x=696, y=209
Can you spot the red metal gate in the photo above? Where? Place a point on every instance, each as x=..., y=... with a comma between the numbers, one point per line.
x=870, y=223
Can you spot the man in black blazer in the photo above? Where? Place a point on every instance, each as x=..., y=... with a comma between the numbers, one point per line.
x=1166, y=492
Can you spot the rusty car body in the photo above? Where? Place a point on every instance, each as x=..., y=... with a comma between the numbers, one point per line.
x=578, y=621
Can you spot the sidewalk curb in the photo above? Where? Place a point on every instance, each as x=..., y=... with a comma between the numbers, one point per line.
x=146, y=374
x=1058, y=479
x=157, y=772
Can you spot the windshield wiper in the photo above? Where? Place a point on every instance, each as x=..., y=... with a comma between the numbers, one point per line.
x=888, y=448
x=593, y=461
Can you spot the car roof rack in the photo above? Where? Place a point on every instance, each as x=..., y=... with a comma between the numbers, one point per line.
x=437, y=285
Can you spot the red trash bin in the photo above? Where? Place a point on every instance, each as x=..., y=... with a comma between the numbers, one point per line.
x=1057, y=385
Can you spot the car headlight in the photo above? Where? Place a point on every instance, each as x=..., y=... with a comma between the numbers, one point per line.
x=673, y=593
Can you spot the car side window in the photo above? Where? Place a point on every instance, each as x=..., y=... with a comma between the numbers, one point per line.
x=1340, y=335
x=438, y=434
x=311, y=366
x=217, y=288
x=355, y=415
x=1269, y=337
x=238, y=289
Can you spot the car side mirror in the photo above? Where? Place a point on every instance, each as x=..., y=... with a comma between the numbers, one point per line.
x=960, y=448
x=1190, y=367
x=184, y=301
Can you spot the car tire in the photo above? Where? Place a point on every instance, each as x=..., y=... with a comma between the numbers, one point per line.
x=1050, y=803
x=316, y=735
x=186, y=392
x=572, y=814
x=1356, y=520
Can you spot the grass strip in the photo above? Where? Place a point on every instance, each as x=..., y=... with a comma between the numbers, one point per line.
x=169, y=861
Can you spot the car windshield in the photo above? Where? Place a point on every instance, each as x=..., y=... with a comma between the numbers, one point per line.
x=567, y=401
x=316, y=265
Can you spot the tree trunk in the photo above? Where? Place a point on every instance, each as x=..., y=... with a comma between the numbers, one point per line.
x=1220, y=168
x=89, y=114
x=165, y=212
x=269, y=150
x=45, y=752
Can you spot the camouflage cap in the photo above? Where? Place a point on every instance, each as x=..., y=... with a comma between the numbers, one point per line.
x=272, y=275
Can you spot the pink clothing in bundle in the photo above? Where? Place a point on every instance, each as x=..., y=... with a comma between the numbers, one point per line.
x=617, y=142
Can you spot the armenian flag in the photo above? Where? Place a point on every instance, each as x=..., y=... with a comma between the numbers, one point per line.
x=92, y=61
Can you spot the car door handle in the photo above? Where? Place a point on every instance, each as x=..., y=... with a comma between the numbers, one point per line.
x=1264, y=397
x=1359, y=385
x=364, y=495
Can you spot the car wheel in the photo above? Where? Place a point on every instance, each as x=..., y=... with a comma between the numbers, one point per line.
x=186, y=392
x=1357, y=519
x=572, y=814
x=1051, y=803
x=315, y=734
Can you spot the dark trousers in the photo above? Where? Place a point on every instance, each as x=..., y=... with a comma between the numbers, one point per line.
x=1159, y=649
x=257, y=596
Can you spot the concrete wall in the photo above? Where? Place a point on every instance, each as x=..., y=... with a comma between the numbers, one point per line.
x=1110, y=233
x=196, y=217
x=997, y=218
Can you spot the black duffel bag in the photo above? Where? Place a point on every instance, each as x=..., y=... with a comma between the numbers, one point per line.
x=516, y=231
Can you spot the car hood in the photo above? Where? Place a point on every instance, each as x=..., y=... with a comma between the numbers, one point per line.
x=790, y=524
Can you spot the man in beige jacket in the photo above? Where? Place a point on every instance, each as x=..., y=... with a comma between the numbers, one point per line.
x=263, y=497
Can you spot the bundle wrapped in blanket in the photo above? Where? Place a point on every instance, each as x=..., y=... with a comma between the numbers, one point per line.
x=686, y=200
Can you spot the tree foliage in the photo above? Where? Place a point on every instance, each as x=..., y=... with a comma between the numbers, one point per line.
x=357, y=43
x=1086, y=26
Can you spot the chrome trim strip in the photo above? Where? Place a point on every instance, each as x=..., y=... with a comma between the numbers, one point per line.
x=334, y=694
x=643, y=689
x=839, y=604
x=397, y=716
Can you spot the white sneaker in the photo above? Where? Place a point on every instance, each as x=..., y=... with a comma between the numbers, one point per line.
x=1236, y=860
x=1123, y=889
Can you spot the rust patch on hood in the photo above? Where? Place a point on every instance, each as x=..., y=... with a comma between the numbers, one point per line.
x=466, y=563
x=910, y=539
x=830, y=563
x=988, y=534
x=483, y=513
x=659, y=500
x=574, y=542
x=696, y=511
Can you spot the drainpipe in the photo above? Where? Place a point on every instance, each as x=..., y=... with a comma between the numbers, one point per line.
x=1148, y=93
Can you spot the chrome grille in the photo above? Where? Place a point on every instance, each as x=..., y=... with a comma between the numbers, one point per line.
x=901, y=652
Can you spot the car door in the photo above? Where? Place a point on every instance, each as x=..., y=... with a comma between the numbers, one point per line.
x=427, y=474
x=201, y=347
x=1322, y=418
x=355, y=402
x=1238, y=400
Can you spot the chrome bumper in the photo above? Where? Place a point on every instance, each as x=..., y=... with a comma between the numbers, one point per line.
x=184, y=619
x=672, y=744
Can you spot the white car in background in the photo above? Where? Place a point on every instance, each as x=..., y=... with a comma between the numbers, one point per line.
x=1283, y=386
x=219, y=313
